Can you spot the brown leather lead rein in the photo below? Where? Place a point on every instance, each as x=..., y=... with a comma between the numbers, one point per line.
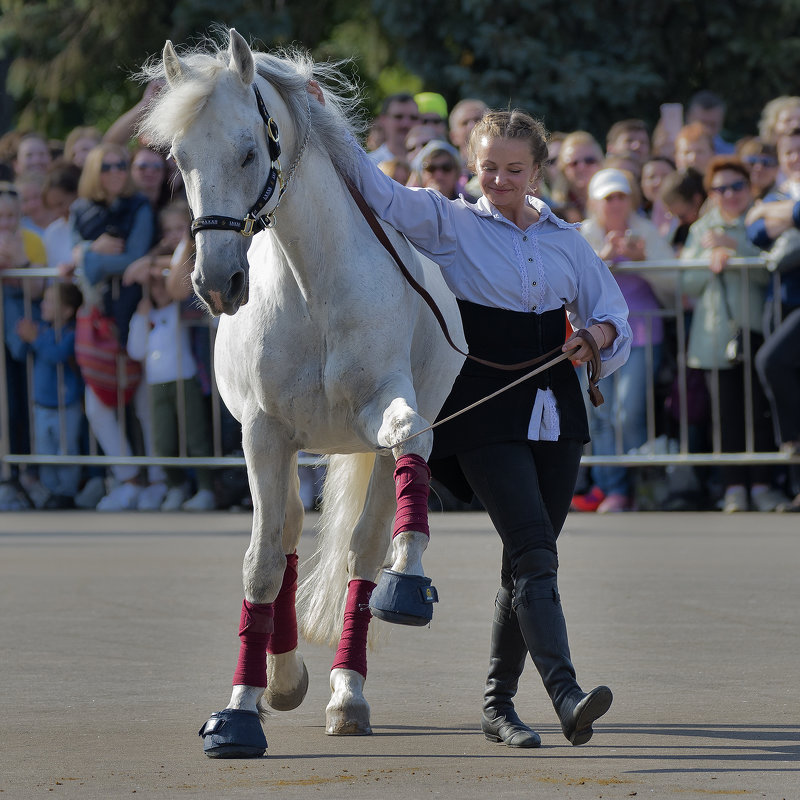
x=592, y=366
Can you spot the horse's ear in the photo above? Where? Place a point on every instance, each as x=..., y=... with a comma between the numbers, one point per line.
x=241, y=57
x=173, y=66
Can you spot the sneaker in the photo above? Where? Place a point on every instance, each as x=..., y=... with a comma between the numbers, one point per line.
x=587, y=502
x=735, y=500
x=91, y=494
x=152, y=497
x=613, y=503
x=13, y=497
x=765, y=498
x=175, y=498
x=204, y=500
x=121, y=498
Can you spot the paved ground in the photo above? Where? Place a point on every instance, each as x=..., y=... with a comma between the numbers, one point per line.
x=118, y=637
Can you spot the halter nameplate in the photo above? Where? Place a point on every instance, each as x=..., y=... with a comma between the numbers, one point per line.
x=252, y=223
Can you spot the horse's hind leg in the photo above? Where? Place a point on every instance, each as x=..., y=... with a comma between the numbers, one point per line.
x=348, y=711
x=287, y=677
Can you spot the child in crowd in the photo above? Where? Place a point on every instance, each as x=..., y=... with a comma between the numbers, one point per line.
x=19, y=249
x=59, y=193
x=57, y=390
x=157, y=337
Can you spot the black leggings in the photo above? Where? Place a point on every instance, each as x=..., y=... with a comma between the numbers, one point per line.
x=526, y=488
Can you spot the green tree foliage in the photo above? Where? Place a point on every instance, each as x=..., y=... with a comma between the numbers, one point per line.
x=586, y=64
x=70, y=62
x=582, y=64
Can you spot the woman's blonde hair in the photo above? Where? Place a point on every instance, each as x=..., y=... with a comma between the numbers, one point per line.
x=90, y=185
x=514, y=124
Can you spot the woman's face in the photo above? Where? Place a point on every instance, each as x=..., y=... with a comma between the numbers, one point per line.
x=763, y=170
x=81, y=150
x=506, y=171
x=148, y=170
x=579, y=162
x=114, y=174
x=653, y=173
x=788, y=120
x=33, y=155
x=613, y=211
x=730, y=192
x=440, y=172
x=789, y=156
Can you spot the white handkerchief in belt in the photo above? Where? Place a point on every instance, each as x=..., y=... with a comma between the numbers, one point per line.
x=544, y=425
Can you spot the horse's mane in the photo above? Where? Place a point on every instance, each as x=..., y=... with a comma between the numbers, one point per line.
x=175, y=108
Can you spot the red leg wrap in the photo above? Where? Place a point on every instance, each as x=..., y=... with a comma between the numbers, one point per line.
x=255, y=626
x=284, y=634
x=412, y=480
x=352, y=650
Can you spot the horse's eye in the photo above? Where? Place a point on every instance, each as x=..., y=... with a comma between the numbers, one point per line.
x=248, y=158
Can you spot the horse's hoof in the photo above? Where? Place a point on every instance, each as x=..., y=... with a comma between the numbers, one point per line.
x=233, y=733
x=288, y=701
x=403, y=599
x=350, y=721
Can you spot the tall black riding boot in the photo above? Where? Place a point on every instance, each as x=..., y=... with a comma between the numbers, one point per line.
x=541, y=620
x=507, y=655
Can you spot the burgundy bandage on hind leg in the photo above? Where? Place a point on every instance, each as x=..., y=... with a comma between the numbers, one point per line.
x=255, y=627
x=352, y=650
x=412, y=480
x=284, y=633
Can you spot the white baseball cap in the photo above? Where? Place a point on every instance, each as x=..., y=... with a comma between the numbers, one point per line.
x=608, y=181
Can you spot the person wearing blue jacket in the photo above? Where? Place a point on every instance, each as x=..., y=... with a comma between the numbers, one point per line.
x=57, y=389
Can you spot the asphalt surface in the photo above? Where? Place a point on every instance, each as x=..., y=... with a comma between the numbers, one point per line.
x=118, y=638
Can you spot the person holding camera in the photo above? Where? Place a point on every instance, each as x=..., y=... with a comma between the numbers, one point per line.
x=727, y=313
x=618, y=234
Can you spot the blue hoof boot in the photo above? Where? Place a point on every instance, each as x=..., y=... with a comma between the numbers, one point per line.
x=233, y=733
x=403, y=599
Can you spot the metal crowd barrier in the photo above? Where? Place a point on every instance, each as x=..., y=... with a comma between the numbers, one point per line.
x=663, y=272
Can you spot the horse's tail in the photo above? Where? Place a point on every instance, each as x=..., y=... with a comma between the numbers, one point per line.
x=322, y=593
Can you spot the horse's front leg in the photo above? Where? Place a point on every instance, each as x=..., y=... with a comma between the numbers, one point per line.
x=236, y=731
x=348, y=711
x=404, y=595
x=287, y=676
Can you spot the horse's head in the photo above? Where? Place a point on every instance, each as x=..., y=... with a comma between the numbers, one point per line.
x=210, y=118
x=221, y=145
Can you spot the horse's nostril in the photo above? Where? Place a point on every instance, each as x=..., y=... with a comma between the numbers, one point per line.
x=236, y=285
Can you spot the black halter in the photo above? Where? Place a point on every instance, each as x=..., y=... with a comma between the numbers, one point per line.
x=253, y=223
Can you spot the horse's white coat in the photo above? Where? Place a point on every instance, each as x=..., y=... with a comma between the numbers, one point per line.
x=324, y=346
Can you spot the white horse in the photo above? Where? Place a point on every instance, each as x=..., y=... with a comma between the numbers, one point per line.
x=324, y=347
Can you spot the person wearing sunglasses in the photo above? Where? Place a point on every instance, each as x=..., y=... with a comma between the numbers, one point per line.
x=762, y=160
x=579, y=158
x=728, y=299
x=438, y=166
x=112, y=226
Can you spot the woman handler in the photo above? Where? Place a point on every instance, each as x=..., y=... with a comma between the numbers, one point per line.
x=514, y=268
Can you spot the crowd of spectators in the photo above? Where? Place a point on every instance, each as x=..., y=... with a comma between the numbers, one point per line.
x=109, y=214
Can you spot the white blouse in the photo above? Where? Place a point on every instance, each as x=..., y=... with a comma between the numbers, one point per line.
x=488, y=260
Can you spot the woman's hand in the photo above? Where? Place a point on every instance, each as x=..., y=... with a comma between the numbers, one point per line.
x=719, y=259
x=137, y=271
x=66, y=270
x=717, y=238
x=603, y=334
x=27, y=330
x=315, y=90
x=107, y=245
